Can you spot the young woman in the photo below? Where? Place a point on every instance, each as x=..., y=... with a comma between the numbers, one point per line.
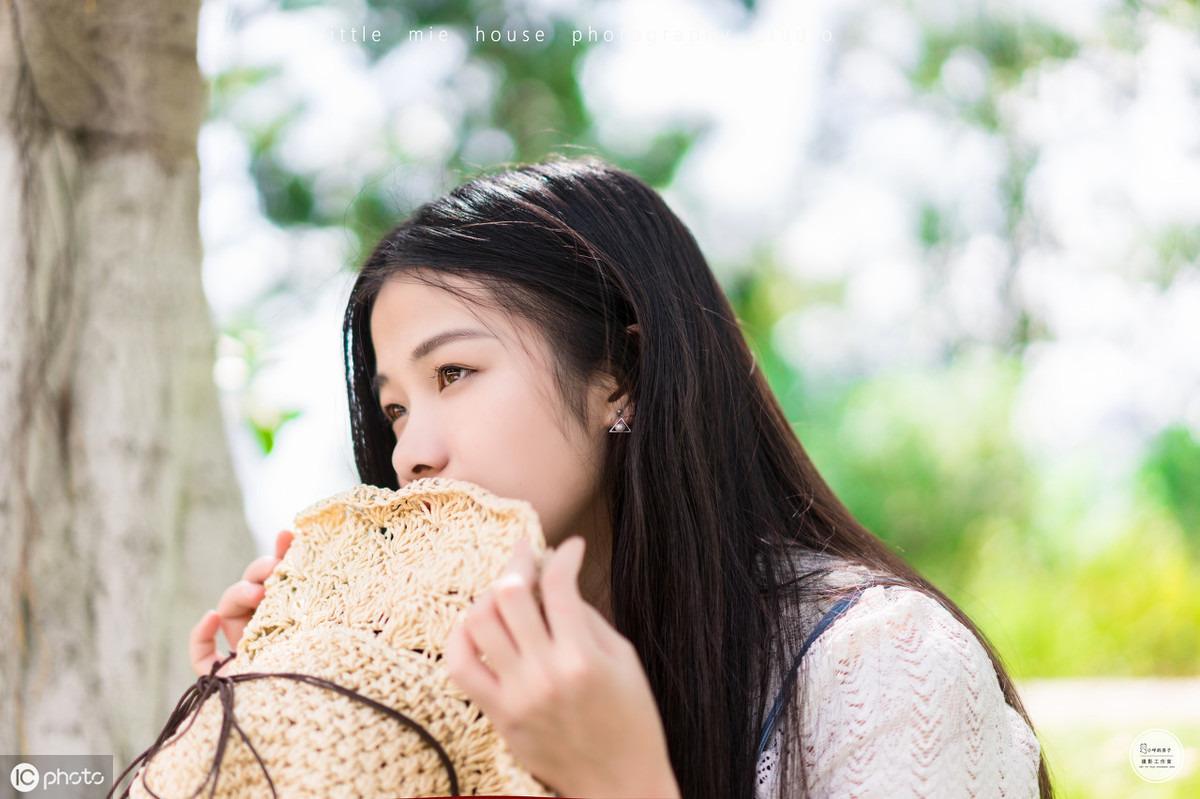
x=713, y=621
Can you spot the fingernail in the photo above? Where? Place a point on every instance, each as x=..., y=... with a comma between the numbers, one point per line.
x=510, y=578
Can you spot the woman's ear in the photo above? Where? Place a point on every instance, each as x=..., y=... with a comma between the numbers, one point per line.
x=622, y=402
x=636, y=339
x=617, y=398
x=617, y=403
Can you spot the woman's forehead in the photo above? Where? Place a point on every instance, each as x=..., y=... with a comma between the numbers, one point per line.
x=409, y=308
x=409, y=304
x=427, y=283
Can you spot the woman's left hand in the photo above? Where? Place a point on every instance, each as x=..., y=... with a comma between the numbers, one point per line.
x=566, y=691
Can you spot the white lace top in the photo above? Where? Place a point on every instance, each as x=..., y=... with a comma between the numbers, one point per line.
x=900, y=699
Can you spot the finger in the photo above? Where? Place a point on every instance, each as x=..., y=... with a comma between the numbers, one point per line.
x=607, y=637
x=240, y=600
x=468, y=672
x=236, y=606
x=282, y=542
x=491, y=637
x=260, y=569
x=202, y=643
x=517, y=606
x=522, y=563
x=560, y=592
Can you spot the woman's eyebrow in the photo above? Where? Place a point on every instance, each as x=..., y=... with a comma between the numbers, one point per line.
x=429, y=345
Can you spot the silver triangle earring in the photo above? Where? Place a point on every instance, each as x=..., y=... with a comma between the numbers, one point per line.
x=621, y=426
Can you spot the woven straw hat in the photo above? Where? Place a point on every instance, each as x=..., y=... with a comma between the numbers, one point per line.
x=365, y=598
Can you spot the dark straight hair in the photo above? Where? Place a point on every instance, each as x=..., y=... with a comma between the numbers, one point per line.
x=710, y=494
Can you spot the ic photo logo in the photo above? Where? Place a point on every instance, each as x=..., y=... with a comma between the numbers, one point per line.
x=55, y=776
x=24, y=777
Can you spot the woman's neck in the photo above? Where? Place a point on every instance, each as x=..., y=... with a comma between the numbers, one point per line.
x=595, y=575
x=595, y=579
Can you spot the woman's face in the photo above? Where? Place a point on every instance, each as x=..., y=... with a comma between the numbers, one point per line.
x=471, y=396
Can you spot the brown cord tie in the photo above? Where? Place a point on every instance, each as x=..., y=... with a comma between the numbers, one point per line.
x=196, y=695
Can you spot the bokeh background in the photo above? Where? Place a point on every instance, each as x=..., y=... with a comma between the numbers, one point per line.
x=963, y=238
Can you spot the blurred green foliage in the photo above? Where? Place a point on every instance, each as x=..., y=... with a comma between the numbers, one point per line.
x=1171, y=478
x=266, y=427
x=1066, y=577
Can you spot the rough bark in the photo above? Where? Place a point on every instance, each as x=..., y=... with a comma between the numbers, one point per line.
x=120, y=519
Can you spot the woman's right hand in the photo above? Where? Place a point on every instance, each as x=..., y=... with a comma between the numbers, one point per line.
x=234, y=610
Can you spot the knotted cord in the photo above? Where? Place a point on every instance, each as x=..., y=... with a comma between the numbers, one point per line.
x=212, y=683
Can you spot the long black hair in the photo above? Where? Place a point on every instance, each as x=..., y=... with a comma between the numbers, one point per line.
x=711, y=490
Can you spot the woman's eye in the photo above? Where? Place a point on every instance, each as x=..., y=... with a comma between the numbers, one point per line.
x=444, y=376
x=444, y=371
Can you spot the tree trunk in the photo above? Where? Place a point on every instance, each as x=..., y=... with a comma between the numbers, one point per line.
x=120, y=519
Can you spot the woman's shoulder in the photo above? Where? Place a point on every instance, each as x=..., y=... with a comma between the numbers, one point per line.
x=865, y=626
x=900, y=697
x=826, y=577
x=905, y=635
x=859, y=624
x=863, y=607
x=899, y=684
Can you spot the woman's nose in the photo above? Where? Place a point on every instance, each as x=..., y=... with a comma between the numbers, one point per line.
x=421, y=451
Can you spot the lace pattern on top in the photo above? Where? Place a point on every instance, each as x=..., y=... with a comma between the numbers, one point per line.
x=900, y=699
